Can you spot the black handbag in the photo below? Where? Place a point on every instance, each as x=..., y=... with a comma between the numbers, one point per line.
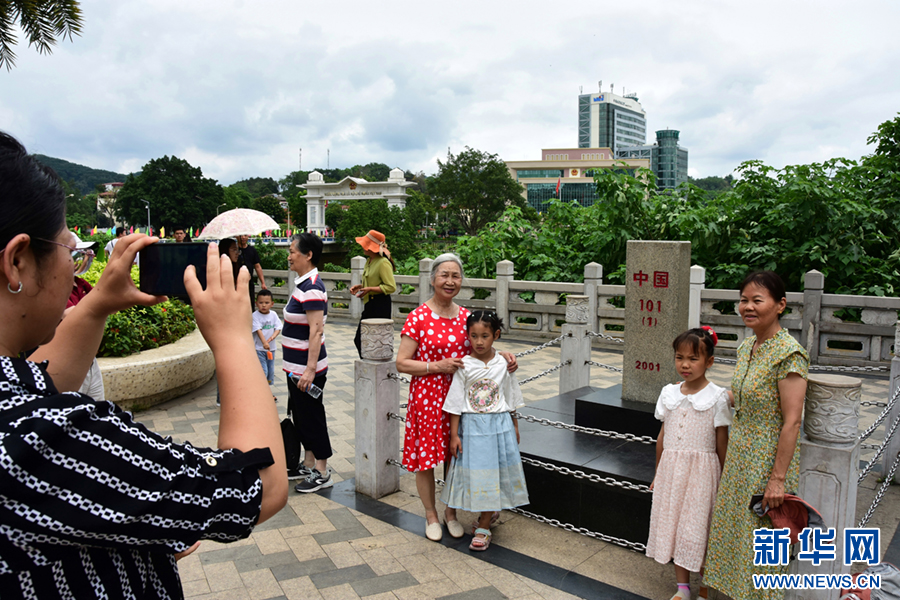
x=292, y=448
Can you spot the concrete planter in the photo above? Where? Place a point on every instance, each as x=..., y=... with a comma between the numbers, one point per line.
x=147, y=378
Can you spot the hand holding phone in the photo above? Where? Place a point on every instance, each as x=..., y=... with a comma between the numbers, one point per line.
x=115, y=289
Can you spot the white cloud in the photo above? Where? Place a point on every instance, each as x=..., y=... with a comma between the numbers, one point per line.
x=237, y=87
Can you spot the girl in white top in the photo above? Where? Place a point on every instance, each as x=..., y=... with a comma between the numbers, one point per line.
x=690, y=452
x=486, y=470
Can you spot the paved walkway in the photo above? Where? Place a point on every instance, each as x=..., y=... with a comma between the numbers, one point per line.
x=335, y=544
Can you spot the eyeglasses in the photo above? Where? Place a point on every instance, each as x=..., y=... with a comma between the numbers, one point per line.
x=81, y=258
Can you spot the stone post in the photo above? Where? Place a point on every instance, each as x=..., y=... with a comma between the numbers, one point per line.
x=893, y=448
x=425, y=291
x=505, y=271
x=357, y=264
x=698, y=282
x=829, y=466
x=657, y=296
x=813, y=284
x=593, y=279
x=377, y=394
x=576, y=346
x=291, y=283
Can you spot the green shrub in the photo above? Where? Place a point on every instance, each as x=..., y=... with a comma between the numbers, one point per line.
x=144, y=327
x=270, y=255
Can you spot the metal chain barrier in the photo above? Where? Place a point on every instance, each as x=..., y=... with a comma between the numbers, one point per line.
x=608, y=338
x=643, y=439
x=880, y=494
x=397, y=463
x=868, y=446
x=865, y=435
x=637, y=547
x=399, y=378
x=396, y=417
x=726, y=361
x=878, y=404
x=637, y=487
x=547, y=372
x=880, y=451
x=602, y=366
x=542, y=346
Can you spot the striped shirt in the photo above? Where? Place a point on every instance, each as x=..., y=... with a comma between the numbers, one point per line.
x=309, y=295
x=95, y=505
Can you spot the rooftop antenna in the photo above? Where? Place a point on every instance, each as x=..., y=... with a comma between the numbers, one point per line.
x=300, y=161
x=611, y=86
x=328, y=161
x=580, y=90
x=600, y=86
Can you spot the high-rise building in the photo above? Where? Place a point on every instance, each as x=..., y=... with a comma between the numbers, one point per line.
x=668, y=160
x=607, y=120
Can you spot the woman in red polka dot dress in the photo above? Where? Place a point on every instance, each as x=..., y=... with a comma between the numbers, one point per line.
x=433, y=342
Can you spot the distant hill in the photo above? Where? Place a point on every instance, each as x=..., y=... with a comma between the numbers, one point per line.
x=84, y=178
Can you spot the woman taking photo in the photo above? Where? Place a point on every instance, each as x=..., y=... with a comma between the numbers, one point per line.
x=93, y=503
x=377, y=282
x=433, y=342
x=769, y=386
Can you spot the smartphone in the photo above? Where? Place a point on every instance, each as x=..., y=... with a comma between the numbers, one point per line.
x=162, y=267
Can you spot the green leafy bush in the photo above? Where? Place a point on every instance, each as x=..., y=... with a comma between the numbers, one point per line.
x=144, y=327
x=271, y=256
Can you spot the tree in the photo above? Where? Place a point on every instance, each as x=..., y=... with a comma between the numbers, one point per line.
x=476, y=188
x=257, y=186
x=178, y=194
x=272, y=207
x=236, y=196
x=42, y=21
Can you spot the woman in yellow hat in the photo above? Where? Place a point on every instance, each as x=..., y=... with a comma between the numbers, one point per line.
x=377, y=283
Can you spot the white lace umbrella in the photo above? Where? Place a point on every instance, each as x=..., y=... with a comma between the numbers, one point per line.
x=238, y=221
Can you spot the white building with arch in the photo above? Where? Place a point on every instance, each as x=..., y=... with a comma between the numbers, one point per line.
x=319, y=194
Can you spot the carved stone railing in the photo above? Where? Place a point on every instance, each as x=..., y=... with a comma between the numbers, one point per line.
x=536, y=309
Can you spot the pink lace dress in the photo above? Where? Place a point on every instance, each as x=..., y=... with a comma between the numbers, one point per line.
x=687, y=479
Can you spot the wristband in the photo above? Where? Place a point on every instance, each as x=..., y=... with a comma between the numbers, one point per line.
x=427, y=367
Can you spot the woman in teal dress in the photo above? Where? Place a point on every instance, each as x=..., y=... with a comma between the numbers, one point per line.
x=769, y=386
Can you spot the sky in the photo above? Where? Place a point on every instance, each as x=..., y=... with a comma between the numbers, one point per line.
x=238, y=87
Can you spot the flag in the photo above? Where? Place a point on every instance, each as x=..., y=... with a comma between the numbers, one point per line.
x=94, y=232
x=132, y=229
x=558, y=185
x=192, y=233
x=162, y=231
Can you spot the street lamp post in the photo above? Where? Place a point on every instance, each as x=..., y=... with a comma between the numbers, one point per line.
x=220, y=206
x=148, y=215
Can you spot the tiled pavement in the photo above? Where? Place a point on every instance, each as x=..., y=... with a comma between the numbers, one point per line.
x=317, y=547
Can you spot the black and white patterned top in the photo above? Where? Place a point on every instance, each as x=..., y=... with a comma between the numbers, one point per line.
x=94, y=505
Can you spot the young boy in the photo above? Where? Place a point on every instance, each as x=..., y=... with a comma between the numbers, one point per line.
x=266, y=327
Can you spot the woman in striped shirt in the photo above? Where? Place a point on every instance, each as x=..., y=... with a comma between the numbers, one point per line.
x=306, y=362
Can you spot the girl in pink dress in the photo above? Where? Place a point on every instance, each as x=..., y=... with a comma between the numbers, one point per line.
x=690, y=452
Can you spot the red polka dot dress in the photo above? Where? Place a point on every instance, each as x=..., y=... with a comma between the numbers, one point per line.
x=426, y=443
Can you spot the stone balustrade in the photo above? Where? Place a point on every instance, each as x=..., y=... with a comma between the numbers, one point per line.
x=536, y=309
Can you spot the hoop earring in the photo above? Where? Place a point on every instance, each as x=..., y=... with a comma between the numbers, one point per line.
x=12, y=291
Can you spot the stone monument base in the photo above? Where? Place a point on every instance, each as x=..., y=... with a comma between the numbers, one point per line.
x=605, y=409
x=598, y=507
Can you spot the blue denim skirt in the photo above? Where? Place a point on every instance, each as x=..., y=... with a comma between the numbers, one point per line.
x=488, y=473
